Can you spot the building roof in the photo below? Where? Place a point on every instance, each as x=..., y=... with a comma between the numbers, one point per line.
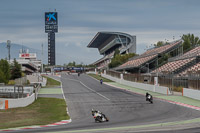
x=101, y=37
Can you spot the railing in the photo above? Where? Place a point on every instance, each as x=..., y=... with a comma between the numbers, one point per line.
x=113, y=74
x=168, y=80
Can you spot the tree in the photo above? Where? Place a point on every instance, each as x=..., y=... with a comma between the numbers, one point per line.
x=119, y=59
x=159, y=43
x=190, y=41
x=4, y=71
x=16, y=71
x=186, y=44
x=72, y=64
x=117, y=52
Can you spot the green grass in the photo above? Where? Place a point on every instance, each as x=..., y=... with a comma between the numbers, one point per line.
x=43, y=111
x=50, y=91
x=51, y=82
x=98, y=77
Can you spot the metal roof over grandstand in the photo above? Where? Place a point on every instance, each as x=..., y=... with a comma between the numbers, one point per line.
x=101, y=37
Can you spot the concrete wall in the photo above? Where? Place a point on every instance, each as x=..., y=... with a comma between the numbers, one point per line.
x=90, y=72
x=148, y=87
x=37, y=79
x=191, y=93
x=2, y=104
x=20, y=102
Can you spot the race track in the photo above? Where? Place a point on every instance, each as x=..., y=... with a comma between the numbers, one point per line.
x=123, y=108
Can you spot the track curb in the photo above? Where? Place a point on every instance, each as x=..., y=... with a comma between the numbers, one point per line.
x=40, y=126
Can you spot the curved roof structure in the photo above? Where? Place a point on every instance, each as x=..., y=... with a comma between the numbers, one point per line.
x=109, y=41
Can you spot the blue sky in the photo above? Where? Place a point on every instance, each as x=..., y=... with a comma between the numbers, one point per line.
x=22, y=22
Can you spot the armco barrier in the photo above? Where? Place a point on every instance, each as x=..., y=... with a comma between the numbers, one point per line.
x=148, y=87
x=191, y=93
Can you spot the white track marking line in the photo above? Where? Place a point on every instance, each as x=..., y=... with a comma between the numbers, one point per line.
x=89, y=88
x=95, y=91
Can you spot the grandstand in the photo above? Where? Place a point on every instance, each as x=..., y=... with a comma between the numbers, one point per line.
x=149, y=60
x=182, y=65
x=108, y=42
x=195, y=69
x=29, y=62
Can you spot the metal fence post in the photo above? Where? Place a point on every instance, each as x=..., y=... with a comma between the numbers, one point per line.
x=172, y=83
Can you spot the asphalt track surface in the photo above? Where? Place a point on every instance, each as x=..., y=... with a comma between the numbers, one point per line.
x=123, y=108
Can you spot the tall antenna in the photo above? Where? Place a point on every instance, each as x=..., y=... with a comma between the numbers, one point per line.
x=8, y=47
x=42, y=60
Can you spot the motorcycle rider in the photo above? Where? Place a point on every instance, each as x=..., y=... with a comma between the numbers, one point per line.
x=96, y=111
x=101, y=81
x=149, y=97
x=100, y=114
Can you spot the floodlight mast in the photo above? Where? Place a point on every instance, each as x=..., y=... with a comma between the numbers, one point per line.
x=8, y=47
x=42, y=70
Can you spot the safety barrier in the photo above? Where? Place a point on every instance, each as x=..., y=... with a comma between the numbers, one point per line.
x=6, y=103
x=37, y=79
x=148, y=87
x=191, y=93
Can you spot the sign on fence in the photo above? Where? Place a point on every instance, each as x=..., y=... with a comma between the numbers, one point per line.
x=155, y=80
x=10, y=89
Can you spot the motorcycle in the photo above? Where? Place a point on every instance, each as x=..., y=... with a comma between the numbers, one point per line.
x=99, y=117
x=149, y=98
x=101, y=81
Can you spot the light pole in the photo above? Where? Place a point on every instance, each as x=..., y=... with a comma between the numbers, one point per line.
x=42, y=60
x=8, y=47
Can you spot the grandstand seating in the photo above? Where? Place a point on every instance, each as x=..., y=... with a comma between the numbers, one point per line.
x=148, y=55
x=160, y=49
x=192, y=53
x=180, y=61
x=138, y=62
x=193, y=69
x=173, y=66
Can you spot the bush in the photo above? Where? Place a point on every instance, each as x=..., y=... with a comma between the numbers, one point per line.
x=11, y=82
x=28, y=82
x=178, y=89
